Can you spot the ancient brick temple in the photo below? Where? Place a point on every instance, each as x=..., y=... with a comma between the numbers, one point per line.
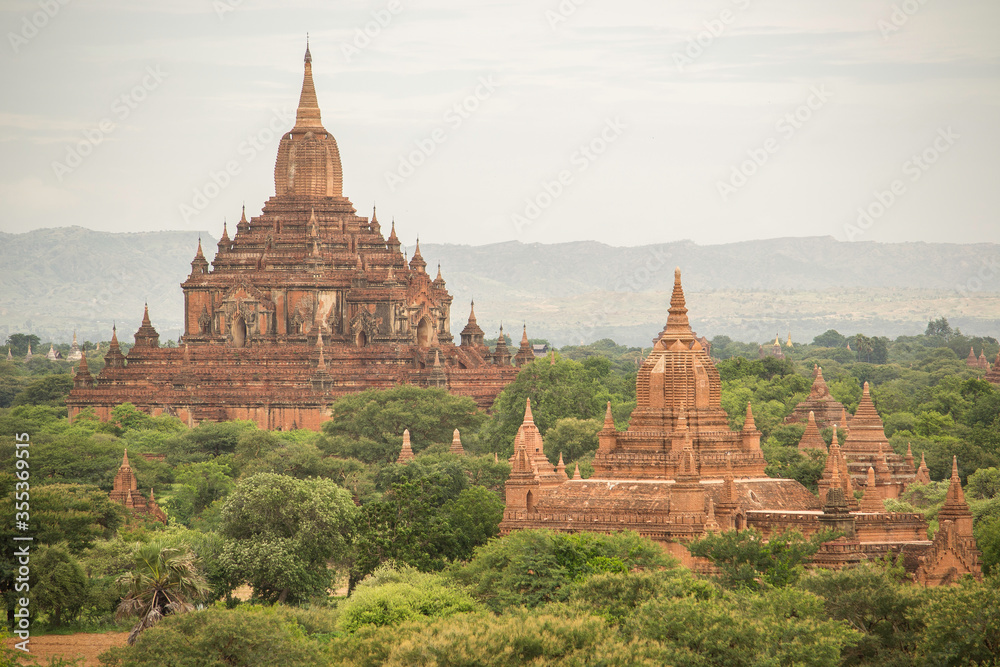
x=993, y=375
x=126, y=492
x=304, y=303
x=826, y=410
x=680, y=472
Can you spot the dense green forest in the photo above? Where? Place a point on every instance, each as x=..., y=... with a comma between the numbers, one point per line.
x=355, y=559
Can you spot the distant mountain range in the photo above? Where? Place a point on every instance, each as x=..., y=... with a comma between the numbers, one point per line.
x=53, y=281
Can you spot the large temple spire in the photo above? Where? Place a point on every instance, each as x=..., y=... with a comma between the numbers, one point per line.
x=307, y=116
x=308, y=163
x=678, y=327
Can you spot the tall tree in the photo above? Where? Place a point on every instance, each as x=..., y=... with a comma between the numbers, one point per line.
x=282, y=533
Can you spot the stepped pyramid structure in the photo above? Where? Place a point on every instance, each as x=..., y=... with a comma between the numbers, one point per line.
x=679, y=472
x=304, y=303
x=866, y=446
x=826, y=410
x=126, y=492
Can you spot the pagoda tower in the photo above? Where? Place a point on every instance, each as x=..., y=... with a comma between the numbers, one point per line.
x=304, y=303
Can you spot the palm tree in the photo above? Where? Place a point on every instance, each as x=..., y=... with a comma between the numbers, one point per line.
x=165, y=580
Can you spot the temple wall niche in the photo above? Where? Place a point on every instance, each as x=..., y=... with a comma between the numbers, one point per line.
x=326, y=304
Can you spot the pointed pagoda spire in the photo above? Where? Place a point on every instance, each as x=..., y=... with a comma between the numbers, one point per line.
x=528, y=417
x=439, y=281
x=677, y=327
x=199, y=265
x=867, y=430
x=243, y=226
x=83, y=379
x=456, y=444
x=225, y=233
x=406, y=453
x=909, y=458
x=145, y=312
x=375, y=227
x=125, y=463
x=923, y=472
x=307, y=116
x=146, y=336
x=749, y=424
x=955, y=508
x=819, y=388
x=417, y=263
x=609, y=420
x=955, y=488
x=576, y=472
x=501, y=354
x=871, y=502
x=393, y=240
x=561, y=467
x=811, y=438
x=114, y=335
x=472, y=335
x=524, y=354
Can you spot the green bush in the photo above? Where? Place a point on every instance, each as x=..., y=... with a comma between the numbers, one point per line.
x=391, y=596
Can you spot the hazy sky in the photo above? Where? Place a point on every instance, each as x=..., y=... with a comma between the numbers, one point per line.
x=534, y=120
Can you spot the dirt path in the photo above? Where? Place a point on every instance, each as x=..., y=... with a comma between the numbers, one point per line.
x=82, y=645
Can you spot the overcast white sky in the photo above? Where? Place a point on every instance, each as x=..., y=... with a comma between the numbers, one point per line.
x=677, y=117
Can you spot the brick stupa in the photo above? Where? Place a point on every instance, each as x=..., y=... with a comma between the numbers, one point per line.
x=679, y=472
x=826, y=410
x=304, y=303
x=866, y=446
x=126, y=492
